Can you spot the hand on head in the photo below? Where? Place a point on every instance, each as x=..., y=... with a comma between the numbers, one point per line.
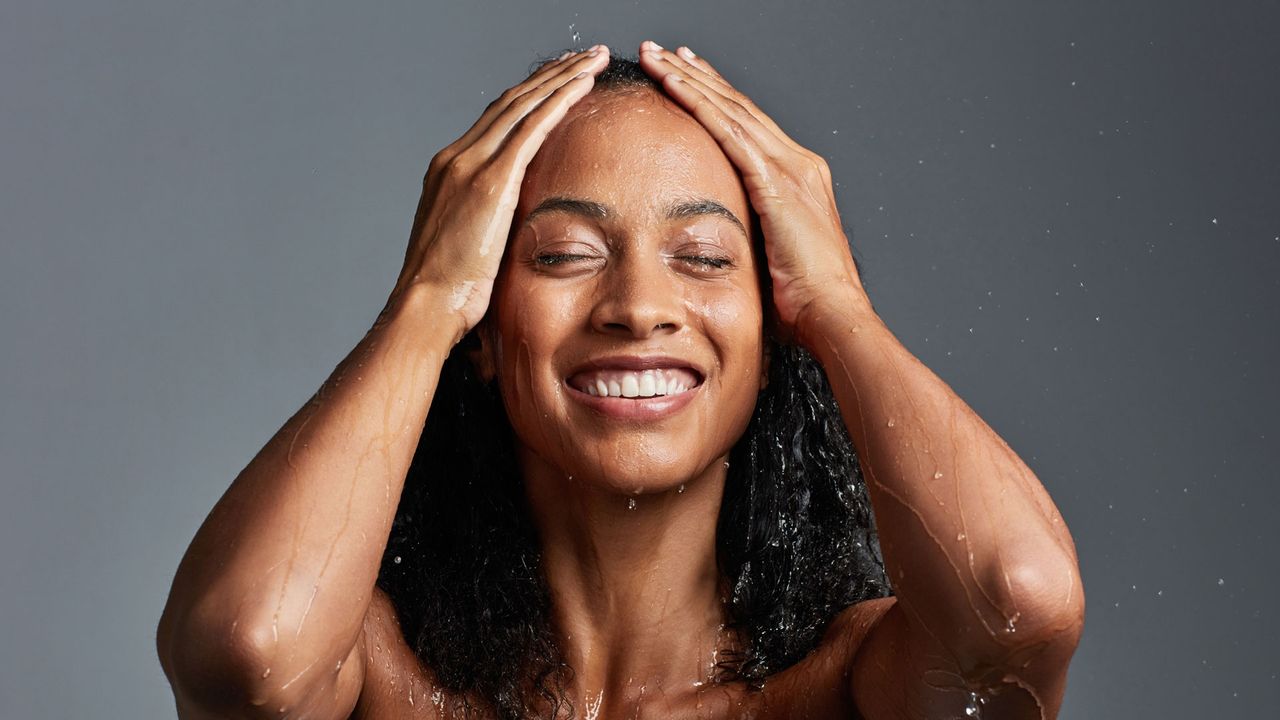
x=809, y=259
x=471, y=187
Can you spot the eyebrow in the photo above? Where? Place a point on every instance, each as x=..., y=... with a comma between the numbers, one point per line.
x=599, y=211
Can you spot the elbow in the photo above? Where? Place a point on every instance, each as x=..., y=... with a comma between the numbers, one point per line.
x=1053, y=595
x=1046, y=610
x=217, y=669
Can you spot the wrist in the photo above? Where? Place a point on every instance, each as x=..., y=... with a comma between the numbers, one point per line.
x=429, y=310
x=835, y=314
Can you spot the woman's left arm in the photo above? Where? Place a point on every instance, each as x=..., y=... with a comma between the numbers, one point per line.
x=987, y=583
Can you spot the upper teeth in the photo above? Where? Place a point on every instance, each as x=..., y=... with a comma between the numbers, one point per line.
x=624, y=383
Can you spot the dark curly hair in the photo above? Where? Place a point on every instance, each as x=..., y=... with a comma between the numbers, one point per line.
x=796, y=540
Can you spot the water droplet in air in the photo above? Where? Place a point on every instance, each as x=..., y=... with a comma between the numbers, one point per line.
x=396, y=559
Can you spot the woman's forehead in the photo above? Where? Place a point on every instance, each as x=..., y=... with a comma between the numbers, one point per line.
x=634, y=151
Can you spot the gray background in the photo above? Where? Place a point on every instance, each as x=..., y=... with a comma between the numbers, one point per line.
x=1068, y=210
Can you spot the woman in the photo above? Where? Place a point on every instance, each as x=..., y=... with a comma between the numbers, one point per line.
x=633, y=495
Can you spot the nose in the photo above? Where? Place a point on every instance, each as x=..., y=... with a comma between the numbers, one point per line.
x=637, y=298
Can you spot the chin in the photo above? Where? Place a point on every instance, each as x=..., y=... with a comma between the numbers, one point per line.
x=636, y=467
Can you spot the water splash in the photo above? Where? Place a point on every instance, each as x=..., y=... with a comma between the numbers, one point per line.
x=576, y=37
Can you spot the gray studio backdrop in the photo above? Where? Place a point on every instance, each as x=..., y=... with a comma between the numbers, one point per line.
x=1068, y=210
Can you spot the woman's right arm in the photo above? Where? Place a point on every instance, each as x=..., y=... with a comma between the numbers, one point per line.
x=268, y=605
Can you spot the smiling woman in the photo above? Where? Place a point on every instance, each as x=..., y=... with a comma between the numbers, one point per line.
x=620, y=380
x=613, y=448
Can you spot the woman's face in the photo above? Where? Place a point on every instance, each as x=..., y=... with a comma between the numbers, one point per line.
x=626, y=327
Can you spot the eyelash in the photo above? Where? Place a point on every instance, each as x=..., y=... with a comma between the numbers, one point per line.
x=711, y=262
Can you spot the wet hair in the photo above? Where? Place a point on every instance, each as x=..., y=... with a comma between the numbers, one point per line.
x=795, y=539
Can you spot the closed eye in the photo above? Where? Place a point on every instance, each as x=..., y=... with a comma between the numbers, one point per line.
x=715, y=262
x=558, y=258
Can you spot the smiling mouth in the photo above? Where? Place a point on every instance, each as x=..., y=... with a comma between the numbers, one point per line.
x=636, y=384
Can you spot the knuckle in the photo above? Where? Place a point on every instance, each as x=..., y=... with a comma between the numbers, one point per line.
x=458, y=167
x=737, y=129
x=438, y=162
x=484, y=179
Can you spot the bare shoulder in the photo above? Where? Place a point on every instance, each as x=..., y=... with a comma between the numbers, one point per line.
x=849, y=628
x=819, y=685
x=396, y=685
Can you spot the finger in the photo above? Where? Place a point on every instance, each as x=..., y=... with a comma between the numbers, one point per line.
x=685, y=60
x=498, y=115
x=481, y=167
x=747, y=143
x=716, y=110
x=495, y=135
x=499, y=179
x=752, y=147
x=685, y=52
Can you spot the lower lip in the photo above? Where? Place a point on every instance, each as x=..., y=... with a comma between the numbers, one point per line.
x=649, y=408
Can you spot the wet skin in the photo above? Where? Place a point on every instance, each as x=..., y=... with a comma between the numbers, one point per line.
x=634, y=584
x=626, y=508
x=274, y=609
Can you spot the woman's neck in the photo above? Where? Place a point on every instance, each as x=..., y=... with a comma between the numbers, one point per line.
x=637, y=595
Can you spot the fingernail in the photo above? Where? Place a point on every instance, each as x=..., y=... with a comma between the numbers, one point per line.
x=655, y=46
x=685, y=53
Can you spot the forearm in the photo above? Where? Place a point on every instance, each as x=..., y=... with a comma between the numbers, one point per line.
x=283, y=568
x=977, y=552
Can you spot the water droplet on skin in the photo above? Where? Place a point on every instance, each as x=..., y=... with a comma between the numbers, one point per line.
x=960, y=536
x=937, y=474
x=973, y=708
x=1009, y=622
x=266, y=673
x=631, y=503
x=681, y=488
x=890, y=422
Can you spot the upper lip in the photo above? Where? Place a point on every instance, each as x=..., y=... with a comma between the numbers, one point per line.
x=638, y=362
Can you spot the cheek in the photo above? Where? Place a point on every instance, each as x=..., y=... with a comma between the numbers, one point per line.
x=534, y=323
x=734, y=322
